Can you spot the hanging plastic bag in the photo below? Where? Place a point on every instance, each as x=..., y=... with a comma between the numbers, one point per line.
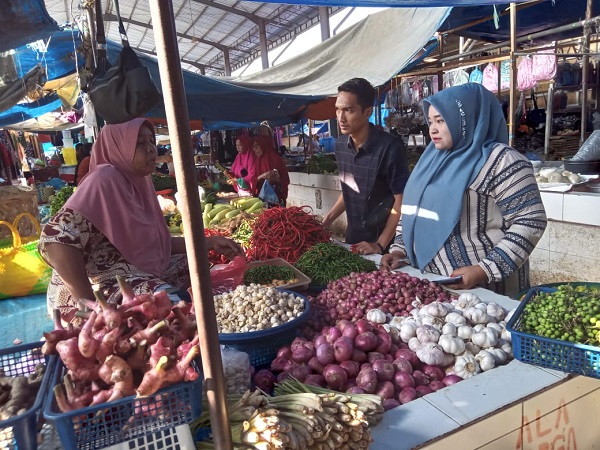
x=505, y=75
x=267, y=193
x=525, y=79
x=490, y=77
x=460, y=77
x=417, y=92
x=476, y=76
x=544, y=66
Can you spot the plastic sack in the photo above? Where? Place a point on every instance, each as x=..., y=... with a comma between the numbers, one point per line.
x=590, y=150
x=490, y=77
x=237, y=370
x=544, y=65
x=226, y=277
x=525, y=79
x=267, y=193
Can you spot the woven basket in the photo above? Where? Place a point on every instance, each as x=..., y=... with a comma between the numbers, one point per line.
x=15, y=200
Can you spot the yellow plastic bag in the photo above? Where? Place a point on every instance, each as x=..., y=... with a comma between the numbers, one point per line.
x=22, y=269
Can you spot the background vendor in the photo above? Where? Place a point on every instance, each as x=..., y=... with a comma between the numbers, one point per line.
x=244, y=165
x=373, y=167
x=270, y=168
x=112, y=225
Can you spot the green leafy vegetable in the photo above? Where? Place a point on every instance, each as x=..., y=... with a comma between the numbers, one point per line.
x=60, y=198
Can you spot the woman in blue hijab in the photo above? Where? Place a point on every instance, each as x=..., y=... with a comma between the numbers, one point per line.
x=471, y=207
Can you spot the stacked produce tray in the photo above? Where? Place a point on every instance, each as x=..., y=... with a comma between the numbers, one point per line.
x=262, y=346
x=551, y=353
x=21, y=431
x=124, y=420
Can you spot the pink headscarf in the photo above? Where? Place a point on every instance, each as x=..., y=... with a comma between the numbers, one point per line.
x=122, y=204
x=270, y=160
x=246, y=160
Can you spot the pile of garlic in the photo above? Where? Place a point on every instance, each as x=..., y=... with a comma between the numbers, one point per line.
x=551, y=175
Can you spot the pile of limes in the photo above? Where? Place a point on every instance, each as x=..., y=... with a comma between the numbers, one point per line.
x=571, y=313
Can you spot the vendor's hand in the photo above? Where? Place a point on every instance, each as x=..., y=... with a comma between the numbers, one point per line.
x=326, y=223
x=394, y=260
x=471, y=277
x=366, y=248
x=273, y=177
x=224, y=246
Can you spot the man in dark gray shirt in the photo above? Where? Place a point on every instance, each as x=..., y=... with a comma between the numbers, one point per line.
x=373, y=170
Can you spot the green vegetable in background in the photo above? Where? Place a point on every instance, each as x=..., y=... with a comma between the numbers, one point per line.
x=60, y=198
x=327, y=262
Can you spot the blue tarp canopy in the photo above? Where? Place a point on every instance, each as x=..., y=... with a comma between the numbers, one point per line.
x=539, y=17
x=23, y=21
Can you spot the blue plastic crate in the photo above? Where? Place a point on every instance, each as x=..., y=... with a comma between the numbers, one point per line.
x=262, y=346
x=555, y=354
x=126, y=419
x=16, y=361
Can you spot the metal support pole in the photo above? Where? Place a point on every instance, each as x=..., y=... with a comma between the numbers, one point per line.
x=264, y=51
x=226, y=62
x=512, y=103
x=324, y=21
x=584, y=71
x=178, y=121
x=549, y=118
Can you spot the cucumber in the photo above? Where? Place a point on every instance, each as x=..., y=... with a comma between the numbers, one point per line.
x=217, y=209
x=232, y=214
x=220, y=215
x=208, y=207
x=250, y=203
x=255, y=208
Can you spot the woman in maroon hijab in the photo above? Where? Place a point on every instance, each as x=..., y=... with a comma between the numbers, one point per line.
x=270, y=167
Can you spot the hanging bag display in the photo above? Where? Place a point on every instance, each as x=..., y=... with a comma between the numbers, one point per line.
x=505, y=75
x=544, y=66
x=525, y=79
x=476, y=76
x=22, y=269
x=126, y=90
x=490, y=78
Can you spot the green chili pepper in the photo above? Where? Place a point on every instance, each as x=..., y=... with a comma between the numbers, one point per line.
x=327, y=262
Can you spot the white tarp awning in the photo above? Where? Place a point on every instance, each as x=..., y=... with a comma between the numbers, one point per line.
x=376, y=48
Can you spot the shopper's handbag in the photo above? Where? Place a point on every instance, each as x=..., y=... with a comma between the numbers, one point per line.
x=126, y=90
x=22, y=269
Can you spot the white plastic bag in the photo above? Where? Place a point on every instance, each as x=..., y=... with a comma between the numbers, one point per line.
x=236, y=367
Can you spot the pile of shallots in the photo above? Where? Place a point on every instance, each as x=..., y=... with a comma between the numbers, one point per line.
x=136, y=347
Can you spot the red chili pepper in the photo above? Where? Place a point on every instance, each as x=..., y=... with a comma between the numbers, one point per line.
x=285, y=233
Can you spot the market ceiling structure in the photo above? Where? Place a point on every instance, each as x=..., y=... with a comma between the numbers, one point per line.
x=224, y=97
x=214, y=37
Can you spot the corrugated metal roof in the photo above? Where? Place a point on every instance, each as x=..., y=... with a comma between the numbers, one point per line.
x=206, y=28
